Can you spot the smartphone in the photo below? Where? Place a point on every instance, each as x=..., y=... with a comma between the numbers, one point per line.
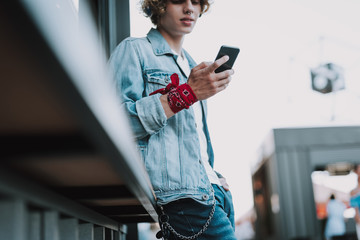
x=232, y=52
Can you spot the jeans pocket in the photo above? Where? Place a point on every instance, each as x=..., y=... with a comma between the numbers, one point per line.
x=187, y=216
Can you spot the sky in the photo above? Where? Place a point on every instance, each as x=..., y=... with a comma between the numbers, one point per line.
x=279, y=41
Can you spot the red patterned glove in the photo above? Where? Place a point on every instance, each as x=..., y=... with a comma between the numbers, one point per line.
x=179, y=97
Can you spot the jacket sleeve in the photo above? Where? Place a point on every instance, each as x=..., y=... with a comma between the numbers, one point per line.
x=146, y=113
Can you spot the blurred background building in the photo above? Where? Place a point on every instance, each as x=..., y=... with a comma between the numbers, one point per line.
x=290, y=193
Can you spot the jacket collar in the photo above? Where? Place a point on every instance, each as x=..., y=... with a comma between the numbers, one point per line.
x=158, y=43
x=161, y=47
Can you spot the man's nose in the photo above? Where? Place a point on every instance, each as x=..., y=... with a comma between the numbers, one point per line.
x=189, y=6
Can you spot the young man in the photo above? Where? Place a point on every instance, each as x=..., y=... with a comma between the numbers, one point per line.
x=164, y=93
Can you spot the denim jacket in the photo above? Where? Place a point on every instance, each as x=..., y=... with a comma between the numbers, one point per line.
x=170, y=148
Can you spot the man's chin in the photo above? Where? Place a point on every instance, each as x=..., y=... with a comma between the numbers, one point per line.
x=188, y=30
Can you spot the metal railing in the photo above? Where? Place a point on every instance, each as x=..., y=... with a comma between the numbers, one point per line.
x=69, y=167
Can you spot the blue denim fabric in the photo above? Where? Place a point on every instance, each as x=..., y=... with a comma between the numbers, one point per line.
x=187, y=217
x=170, y=148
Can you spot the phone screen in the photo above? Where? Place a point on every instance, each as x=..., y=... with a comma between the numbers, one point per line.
x=232, y=52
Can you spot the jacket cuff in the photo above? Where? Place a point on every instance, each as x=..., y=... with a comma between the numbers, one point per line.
x=151, y=113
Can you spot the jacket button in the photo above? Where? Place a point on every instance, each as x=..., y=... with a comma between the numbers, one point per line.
x=205, y=197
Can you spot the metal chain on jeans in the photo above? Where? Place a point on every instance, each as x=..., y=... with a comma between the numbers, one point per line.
x=163, y=219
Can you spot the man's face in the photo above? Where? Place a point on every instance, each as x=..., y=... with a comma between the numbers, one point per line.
x=180, y=17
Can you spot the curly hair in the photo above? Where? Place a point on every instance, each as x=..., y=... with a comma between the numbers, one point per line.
x=154, y=9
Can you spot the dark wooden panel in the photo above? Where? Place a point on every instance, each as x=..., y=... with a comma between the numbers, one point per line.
x=70, y=170
x=95, y=192
x=16, y=146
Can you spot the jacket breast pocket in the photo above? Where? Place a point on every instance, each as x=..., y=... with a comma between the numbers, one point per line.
x=157, y=79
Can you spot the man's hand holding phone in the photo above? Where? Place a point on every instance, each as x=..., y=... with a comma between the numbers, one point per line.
x=206, y=80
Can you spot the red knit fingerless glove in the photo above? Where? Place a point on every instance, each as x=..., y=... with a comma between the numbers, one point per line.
x=179, y=97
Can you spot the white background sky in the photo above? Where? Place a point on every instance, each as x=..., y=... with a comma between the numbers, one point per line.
x=279, y=41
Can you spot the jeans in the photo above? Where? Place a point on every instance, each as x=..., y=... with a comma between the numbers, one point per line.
x=187, y=217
